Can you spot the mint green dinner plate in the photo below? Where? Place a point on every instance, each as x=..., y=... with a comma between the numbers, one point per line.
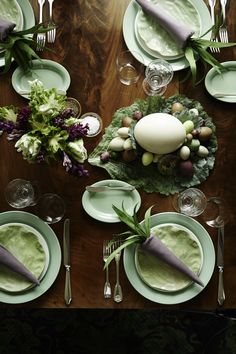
x=133, y=44
x=28, y=20
x=223, y=83
x=208, y=262
x=49, y=72
x=54, y=264
x=99, y=205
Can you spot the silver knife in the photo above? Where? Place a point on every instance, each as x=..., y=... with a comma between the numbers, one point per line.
x=66, y=254
x=220, y=265
x=109, y=188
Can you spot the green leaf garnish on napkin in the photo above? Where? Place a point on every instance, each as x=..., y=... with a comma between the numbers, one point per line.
x=19, y=45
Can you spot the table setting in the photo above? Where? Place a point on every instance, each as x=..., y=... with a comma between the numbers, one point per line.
x=108, y=159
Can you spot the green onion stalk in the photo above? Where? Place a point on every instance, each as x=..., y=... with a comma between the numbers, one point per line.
x=194, y=48
x=140, y=233
x=19, y=45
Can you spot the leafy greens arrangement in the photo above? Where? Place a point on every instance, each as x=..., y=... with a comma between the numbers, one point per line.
x=163, y=176
x=141, y=233
x=46, y=130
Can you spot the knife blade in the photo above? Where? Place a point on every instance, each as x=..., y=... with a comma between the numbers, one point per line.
x=66, y=259
x=109, y=188
x=220, y=265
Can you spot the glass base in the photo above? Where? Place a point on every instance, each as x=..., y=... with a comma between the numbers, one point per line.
x=153, y=92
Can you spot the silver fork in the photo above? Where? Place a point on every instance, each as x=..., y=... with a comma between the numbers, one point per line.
x=51, y=35
x=223, y=33
x=118, y=296
x=41, y=37
x=214, y=38
x=106, y=254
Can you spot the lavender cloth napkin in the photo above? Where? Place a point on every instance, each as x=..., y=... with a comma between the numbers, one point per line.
x=178, y=31
x=5, y=28
x=11, y=262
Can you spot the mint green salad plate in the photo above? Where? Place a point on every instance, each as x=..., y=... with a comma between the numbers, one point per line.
x=99, y=204
x=10, y=10
x=28, y=19
x=54, y=262
x=154, y=39
x=30, y=248
x=133, y=43
x=49, y=72
x=222, y=85
x=192, y=290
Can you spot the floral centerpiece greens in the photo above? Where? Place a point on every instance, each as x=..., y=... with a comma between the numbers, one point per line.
x=142, y=234
x=45, y=130
x=183, y=35
x=19, y=45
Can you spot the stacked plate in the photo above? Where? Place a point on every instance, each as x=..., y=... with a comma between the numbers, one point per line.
x=152, y=41
x=161, y=283
x=19, y=12
x=34, y=244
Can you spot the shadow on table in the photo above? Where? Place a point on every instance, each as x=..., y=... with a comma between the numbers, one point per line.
x=59, y=331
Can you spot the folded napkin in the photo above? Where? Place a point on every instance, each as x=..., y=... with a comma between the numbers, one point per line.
x=5, y=28
x=11, y=262
x=178, y=31
x=157, y=248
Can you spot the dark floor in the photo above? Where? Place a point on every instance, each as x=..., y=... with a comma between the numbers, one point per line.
x=116, y=332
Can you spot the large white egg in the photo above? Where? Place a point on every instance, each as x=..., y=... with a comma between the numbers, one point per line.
x=159, y=133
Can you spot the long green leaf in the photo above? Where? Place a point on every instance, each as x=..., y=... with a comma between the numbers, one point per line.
x=119, y=249
x=189, y=55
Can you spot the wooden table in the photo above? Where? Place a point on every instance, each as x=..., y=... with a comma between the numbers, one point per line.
x=89, y=36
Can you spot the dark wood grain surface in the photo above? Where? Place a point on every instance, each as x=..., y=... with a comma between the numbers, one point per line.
x=89, y=36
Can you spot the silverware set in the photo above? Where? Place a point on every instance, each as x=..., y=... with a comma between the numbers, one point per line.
x=223, y=33
x=107, y=250
x=51, y=34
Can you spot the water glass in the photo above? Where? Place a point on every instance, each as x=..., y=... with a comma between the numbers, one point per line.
x=216, y=212
x=21, y=193
x=191, y=202
x=50, y=208
x=129, y=65
x=158, y=75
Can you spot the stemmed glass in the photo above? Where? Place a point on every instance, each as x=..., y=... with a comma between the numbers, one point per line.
x=20, y=193
x=50, y=208
x=158, y=75
x=191, y=202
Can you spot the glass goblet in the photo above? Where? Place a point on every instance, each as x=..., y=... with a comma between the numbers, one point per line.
x=20, y=193
x=50, y=208
x=158, y=75
x=191, y=202
x=215, y=213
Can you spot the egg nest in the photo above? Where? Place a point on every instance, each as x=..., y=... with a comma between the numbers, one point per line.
x=151, y=178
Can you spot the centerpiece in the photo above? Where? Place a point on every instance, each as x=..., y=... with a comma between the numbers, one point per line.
x=46, y=130
x=160, y=144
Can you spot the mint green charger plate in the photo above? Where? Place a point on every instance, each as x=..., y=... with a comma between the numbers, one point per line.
x=189, y=292
x=54, y=262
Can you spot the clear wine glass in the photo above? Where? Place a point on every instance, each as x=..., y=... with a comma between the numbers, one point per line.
x=20, y=193
x=158, y=75
x=191, y=202
x=215, y=213
x=50, y=208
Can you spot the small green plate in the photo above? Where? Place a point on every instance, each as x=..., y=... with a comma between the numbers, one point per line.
x=47, y=233
x=208, y=263
x=99, y=204
x=49, y=72
x=224, y=82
